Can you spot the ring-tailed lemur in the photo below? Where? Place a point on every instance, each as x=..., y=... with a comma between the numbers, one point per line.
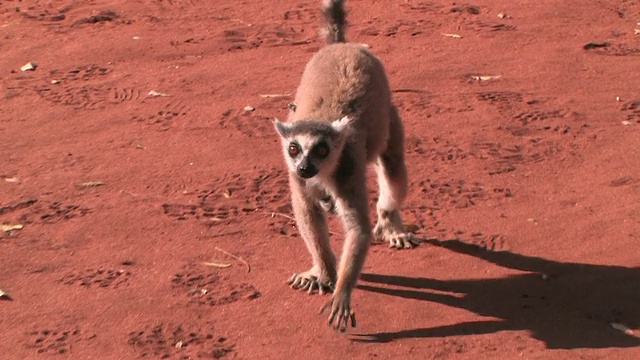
x=342, y=121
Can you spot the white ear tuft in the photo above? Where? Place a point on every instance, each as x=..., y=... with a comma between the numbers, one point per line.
x=282, y=128
x=342, y=124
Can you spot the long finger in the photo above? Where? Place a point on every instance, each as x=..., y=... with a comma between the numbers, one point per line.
x=292, y=279
x=306, y=285
x=324, y=307
x=312, y=286
x=332, y=316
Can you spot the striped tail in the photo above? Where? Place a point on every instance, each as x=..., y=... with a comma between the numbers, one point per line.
x=335, y=21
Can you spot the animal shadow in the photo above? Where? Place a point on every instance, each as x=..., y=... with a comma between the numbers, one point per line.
x=565, y=305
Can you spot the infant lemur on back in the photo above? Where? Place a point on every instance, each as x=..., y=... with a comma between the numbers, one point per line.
x=343, y=121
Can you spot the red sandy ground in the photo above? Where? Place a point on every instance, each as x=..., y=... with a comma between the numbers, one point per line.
x=527, y=184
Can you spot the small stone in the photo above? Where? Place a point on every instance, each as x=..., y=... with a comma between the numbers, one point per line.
x=127, y=262
x=30, y=66
x=249, y=108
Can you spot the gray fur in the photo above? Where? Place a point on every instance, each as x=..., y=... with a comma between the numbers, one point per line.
x=317, y=128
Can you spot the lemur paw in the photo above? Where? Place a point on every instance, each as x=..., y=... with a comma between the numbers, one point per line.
x=341, y=314
x=394, y=234
x=311, y=282
x=403, y=241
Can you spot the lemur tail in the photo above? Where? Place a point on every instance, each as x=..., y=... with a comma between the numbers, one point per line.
x=334, y=16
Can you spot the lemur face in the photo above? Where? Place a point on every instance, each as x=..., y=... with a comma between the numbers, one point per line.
x=312, y=147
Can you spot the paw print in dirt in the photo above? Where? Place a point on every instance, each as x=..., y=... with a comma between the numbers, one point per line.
x=488, y=28
x=34, y=210
x=631, y=109
x=166, y=116
x=167, y=341
x=57, y=211
x=55, y=340
x=609, y=49
x=210, y=288
x=535, y=115
x=63, y=87
x=104, y=278
x=504, y=159
x=435, y=149
x=452, y=193
x=292, y=29
x=247, y=124
x=503, y=100
x=229, y=198
x=555, y=123
x=490, y=242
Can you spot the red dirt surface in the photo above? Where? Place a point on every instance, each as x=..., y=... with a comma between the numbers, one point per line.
x=527, y=185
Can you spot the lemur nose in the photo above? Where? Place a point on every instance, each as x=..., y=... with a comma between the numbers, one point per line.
x=306, y=170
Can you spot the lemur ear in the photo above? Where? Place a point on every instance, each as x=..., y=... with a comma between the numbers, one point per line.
x=342, y=124
x=282, y=128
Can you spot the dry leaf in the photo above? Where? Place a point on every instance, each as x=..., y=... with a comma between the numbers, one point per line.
x=91, y=184
x=4, y=295
x=269, y=96
x=216, y=264
x=9, y=227
x=30, y=66
x=622, y=328
x=157, y=93
x=485, y=77
x=227, y=193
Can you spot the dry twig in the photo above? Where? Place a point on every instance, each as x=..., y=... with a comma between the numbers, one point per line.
x=235, y=257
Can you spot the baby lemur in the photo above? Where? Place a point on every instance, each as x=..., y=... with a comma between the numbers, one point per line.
x=342, y=121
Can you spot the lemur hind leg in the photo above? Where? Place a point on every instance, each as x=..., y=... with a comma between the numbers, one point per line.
x=393, y=183
x=312, y=225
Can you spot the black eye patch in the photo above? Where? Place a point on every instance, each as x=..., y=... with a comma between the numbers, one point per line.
x=321, y=150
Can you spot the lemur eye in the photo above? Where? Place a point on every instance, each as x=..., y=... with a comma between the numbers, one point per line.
x=322, y=150
x=294, y=150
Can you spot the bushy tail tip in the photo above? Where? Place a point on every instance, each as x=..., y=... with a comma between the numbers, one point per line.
x=335, y=20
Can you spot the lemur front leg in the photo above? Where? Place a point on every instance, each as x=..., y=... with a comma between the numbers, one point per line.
x=352, y=208
x=313, y=228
